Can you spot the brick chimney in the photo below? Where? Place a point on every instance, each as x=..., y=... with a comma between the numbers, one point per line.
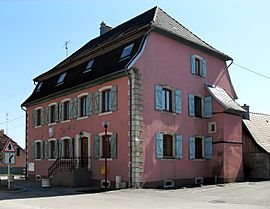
x=246, y=114
x=104, y=28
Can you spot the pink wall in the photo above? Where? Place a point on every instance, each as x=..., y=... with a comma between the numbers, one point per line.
x=93, y=124
x=166, y=61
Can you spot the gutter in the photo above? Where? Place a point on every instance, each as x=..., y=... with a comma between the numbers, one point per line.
x=127, y=71
x=26, y=143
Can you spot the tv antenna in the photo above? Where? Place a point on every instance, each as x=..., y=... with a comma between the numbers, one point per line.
x=66, y=47
x=7, y=123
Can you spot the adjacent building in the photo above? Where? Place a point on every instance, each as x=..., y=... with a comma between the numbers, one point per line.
x=168, y=99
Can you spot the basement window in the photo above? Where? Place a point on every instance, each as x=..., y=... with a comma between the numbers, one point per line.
x=127, y=51
x=61, y=78
x=88, y=67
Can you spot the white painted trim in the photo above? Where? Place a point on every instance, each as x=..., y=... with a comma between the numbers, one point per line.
x=51, y=104
x=81, y=118
x=66, y=100
x=83, y=94
x=105, y=113
x=38, y=108
x=52, y=139
x=103, y=133
x=65, y=121
x=65, y=137
x=104, y=88
x=209, y=127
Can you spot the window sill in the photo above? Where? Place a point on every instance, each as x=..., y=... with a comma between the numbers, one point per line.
x=52, y=159
x=38, y=126
x=51, y=124
x=81, y=118
x=102, y=159
x=199, y=159
x=167, y=159
x=65, y=121
x=37, y=159
x=105, y=113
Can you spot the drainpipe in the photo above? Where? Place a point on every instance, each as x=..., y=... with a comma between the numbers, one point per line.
x=26, y=144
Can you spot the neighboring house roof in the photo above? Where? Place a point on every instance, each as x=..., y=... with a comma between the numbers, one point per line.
x=224, y=98
x=106, y=50
x=259, y=128
x=3, y=140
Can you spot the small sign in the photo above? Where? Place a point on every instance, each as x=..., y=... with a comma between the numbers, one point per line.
x=9, y=158
x=31, y=167
x=102, y=170
x=9, y=147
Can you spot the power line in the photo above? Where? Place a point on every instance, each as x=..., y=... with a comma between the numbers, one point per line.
x=16, y=126
x=252, y=71
x=12, y=119
x=14, y=93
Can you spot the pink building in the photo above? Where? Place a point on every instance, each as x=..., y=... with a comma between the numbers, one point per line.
x=167, y=96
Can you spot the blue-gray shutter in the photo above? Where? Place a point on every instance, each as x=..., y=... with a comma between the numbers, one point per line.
x=204, y=68
x=42, y=150
x=71, y=148
x=34, y=151
x=60, y=113
x=179, y=146
x=159, y=103
x=56, y=149
x=42, y=111
x=191, y=105
x=46, y=150
x=47, y=115
x=178, y=101
x=96, y=102
x=56, y=113
x=208, y=107
x=89, y=104
x=113, y=143
x=60, y=153
x=159, y=145
x=96, y=147
x=191, y=147
x=114, y=98
x=34, y=118
x=208, y=148
x=76, y=107
x=192, y=64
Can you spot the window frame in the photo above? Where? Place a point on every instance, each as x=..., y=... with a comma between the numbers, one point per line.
x=52, y=156
x=210, y=125
x=198, y=106
x=38, y=115
x=199, y=148
x=89, y=67
x=82, y=107
x=66, y=110
x=126, y=52
x=39, y=85
x=40, y=153
x=61, y=78
x=52, y=113
x=173, y=139
x=66, y=147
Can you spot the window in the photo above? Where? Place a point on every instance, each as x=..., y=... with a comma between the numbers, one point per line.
x=127, y=51
x=38, y=119
x=66, y=146
x=200, y=106
x=37, y=150
x=200, y=147
x=39, y=86
x=52, y=149
x=61, y=78
x=103, y=147
x=198, y=66
x=168, y=146
x=83, y=104
x=52, y=113
x=66, y=110
x=167, y=99
x=105, y=100
x=212, y=127
x=88, y=67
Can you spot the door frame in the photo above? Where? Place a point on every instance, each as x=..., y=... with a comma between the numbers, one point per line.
x=78, y=137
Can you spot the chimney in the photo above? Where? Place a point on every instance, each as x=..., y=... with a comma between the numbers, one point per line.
x=104, y=28
x=246, y=114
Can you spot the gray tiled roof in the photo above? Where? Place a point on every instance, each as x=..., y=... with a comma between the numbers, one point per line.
x=259, y=128
x=224, y=98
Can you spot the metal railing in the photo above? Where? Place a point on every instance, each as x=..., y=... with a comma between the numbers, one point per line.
x=69, y=164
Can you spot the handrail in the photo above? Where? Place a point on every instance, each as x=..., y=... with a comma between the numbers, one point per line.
x=68, y=163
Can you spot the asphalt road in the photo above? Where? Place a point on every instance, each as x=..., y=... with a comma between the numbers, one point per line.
x=246, y=195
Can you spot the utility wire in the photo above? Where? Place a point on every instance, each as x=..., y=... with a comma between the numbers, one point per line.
x=16, y=126
x=252, y=71
x=12, y=119
x=14, y=93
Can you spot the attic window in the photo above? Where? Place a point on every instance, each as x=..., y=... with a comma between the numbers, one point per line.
x=127, y=51
x=89, y=66
x=39, y=86
x=61, y=78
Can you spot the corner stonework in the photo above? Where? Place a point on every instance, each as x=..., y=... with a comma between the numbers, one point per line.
x=136, y=127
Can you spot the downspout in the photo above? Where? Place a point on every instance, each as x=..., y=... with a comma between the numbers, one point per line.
x=26, y=143
x=127, y=68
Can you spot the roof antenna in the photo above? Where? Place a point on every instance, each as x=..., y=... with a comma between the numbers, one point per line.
x=66, y=47
x=7, y=123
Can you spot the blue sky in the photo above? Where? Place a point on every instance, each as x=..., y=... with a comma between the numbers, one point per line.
x=33, y=33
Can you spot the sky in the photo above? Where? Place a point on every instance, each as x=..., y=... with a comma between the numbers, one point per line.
x=33, y=34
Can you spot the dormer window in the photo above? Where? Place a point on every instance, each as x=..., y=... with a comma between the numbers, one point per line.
x=127, y=51
x=39, y=86
x=61, y=78
x=88, y=67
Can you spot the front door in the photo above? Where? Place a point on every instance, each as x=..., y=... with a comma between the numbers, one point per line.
x=84, y=152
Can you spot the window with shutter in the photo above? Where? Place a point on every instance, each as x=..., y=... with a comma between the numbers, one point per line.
x=208, y=107
x=159, y=145
x=96, y=102
x=89, y=104
x=179, y=146
x=198, y=66
x=83, y=106
x=208, y=148
x=191, y=105
x=66, y=110
x=178, y=101
x=96, y=147
x=191, y=147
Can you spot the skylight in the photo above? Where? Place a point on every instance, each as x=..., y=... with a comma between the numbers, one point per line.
x=39, y=86
x=127, y=51
x=89, y=66
x=61, y=78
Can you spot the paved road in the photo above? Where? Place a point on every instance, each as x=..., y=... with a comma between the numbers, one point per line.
x=248, y=195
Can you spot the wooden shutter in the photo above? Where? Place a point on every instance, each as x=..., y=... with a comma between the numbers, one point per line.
x=204, y=68
x=56, y=115
x=34, y=151
x=192, y=64
x=158, y=97
x=96, y=147
x=42, y=111
x=56, y=149
x=159, y=145
x=75, y=107
x=192, y=147
x=47, y=115
x=46, y=150
x=113, y=143
x=60, y=147
x=42, y=150
x=96, y=102
x=208, y=148
x=208, y=107
x=114, y=98
x=71, y=148
x=60, y=113
x=89, y=104
x=178, y=101
x=179, y=146
x=191, y=105
x=34, y=118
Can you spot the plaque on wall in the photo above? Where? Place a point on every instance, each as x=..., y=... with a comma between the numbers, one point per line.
x=51, y=132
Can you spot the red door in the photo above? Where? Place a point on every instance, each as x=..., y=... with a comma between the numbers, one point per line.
x=84, y=152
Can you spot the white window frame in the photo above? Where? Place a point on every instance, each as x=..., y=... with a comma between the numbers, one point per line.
x=36, y=109
x=210, y=124
x=41, y=147
x=126, y=48
x=173, y=146
x=201, y=63
x=63, y=111
x=202, y=105
x=49, y=106
x=104, y=88
x=62, y=147
x=203, y=158
x=87, y=68
x=79, y=106
x=49, y=149
x=61, y=78
x=109, y=134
